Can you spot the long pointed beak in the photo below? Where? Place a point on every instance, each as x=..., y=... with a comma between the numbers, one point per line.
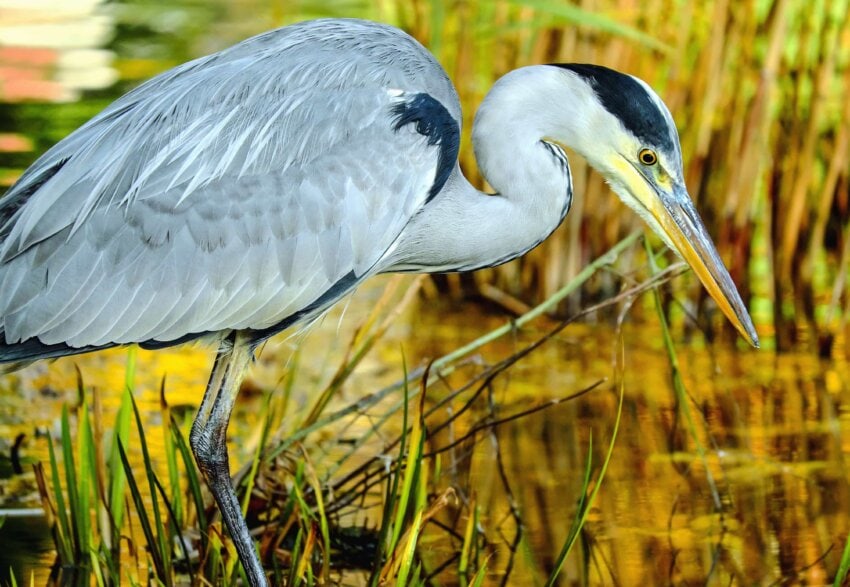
x=683, y=227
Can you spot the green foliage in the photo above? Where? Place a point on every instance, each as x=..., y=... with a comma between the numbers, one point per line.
x=87, y=511
x=758, y=91
x=300, y=496
x=588, y=494
x=762, y=100
x=94, y=534
x=682, y=398
x=844, y=566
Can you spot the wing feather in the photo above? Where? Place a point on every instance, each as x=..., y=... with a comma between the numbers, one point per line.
x=231, y=192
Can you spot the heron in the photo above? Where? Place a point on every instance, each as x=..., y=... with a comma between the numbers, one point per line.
x=246, y=192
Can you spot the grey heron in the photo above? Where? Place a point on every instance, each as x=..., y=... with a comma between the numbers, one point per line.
x=247, y=191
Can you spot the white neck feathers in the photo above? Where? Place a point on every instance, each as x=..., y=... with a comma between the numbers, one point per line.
x=516, y=136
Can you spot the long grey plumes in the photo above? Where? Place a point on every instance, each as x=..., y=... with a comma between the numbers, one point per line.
x=222, y=194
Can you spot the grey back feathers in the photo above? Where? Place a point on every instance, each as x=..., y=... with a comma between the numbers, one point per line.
x=223, y=194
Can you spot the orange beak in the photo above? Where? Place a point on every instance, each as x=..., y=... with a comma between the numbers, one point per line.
x=682, y=226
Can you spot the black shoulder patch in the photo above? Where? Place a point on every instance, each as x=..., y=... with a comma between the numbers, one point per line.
x=626, y=99
x=433, y=121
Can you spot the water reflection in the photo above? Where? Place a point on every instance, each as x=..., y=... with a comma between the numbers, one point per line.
x=771, y=428
x=774, y=446
x=769, y=502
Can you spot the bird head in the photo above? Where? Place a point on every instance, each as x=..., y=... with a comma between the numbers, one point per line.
x=626, y=132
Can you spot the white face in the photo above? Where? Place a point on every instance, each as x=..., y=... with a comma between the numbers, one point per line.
x=641, y=158
x=645, y=179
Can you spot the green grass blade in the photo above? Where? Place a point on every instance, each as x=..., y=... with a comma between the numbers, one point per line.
x=86, y=472
x=96, y=568
x=392, y=503
x=392, y=489
x=176, y=533
x=437, y=18
x=162, y=543
x=844, y=565
x=576, y=16
x=468, y=538
x=479, y=576
x=577, y=520
x=409, y=550
x=192, y=479
x=411, y=472
x=324, y=526
x=120, y=434
x=586, y=505
x=255, y=462
x=296, y=555
x=71, y=486
x=64, y=535
x=130, y=368
x=141, y=510
x=175, y=498
x=678, y=385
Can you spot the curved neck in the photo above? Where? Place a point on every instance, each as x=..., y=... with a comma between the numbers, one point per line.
x=464, y=229
x=523, y=108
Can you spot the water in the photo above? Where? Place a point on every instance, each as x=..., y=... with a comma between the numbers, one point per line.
x=773, y=428
x=769, y=502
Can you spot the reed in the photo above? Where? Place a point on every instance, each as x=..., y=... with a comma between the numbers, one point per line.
x=758, y=91
x=844, y=566
x=395, y=503
x=166, y=537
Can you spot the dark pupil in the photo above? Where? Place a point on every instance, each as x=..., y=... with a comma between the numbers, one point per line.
x=648, y=158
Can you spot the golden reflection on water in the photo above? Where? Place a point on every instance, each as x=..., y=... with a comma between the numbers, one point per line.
x=775, y=450
x=774, y=430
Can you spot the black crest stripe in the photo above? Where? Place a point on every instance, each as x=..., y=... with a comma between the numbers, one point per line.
x=628, y=100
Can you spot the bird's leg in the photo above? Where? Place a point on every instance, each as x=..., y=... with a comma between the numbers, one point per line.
x=209, y=443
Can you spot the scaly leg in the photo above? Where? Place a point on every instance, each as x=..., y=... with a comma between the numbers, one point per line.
x=209, y=443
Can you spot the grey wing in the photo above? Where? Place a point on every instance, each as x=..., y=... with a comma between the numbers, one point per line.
x=230, y=193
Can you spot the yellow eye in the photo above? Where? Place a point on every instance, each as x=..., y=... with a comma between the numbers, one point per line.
x=648, y=157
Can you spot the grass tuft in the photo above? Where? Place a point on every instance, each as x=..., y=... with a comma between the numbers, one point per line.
x=300, y=501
